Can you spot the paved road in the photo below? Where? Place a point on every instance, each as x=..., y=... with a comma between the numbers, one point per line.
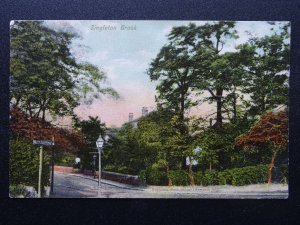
x=74, y=186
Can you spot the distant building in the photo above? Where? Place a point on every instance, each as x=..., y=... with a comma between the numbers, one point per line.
x=130, y=117
x=133, y=121
x=145, y=111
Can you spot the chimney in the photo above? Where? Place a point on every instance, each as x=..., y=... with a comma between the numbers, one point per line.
x=130, y=117
x=144, y=111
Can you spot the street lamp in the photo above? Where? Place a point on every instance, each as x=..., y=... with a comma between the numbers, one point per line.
x=99, y=143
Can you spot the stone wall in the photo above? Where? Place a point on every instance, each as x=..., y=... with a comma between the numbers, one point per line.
x=117, y=177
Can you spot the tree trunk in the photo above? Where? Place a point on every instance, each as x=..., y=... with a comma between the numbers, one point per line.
x=192, y=181
x=210, y=166
x=234, y=106
x=219, y=94
x=183, y=163
x=169, y=179
x=271, y=168
x=43, y=115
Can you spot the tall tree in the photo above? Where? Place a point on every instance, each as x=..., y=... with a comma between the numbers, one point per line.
x=218, y=77
x=173, y=68
x=203, y=48
x=45, y=76
x=266, y=71
x=270, y=132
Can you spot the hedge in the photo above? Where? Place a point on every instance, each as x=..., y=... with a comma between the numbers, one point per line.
x=236, y=176
x=179, y=177
x=157, y=177
x=24, y=164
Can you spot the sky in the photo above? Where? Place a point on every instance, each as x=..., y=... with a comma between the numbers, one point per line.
x=124, y=50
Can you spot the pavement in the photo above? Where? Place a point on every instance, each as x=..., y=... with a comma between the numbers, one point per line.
x=82, y=186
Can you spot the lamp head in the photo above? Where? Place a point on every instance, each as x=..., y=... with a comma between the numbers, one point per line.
x=99, y=142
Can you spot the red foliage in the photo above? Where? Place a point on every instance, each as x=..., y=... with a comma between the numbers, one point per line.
x=271, y=128
x=36, y=129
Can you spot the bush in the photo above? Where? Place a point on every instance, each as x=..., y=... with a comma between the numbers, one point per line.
x=156, y=177
x=198, y=177
x=284, y=173
x=143, y=177
x=249, y=175
x=237, y=176
x=210, y=178
x=24, y=164
x=64, y=159
x=179, y=177
x=225, y=177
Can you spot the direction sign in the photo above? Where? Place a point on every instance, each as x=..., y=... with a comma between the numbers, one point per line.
x=43, y=142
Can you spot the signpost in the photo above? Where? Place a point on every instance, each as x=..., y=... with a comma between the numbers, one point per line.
x=42, y=143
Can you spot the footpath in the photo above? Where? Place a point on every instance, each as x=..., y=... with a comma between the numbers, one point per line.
x=252, y=190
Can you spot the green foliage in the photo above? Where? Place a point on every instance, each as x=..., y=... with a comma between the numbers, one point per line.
x=45, y=76
x=24, y=164
x=267, y=66
x=210, y=178
x=249, y=175
x=284, y=173
x=64, y=159
x=218, y=148
x=91, y=129
x=124, y=151
x=179, y=177
x=161, y=165
x=143, y=177
x=157, y=177
x=236, y=176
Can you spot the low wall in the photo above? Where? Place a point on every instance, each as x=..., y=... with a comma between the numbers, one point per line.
x=65, y=169
x=121, y=178
x=118, y=177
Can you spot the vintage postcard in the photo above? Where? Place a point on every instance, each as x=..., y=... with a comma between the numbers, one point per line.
x=149, y=109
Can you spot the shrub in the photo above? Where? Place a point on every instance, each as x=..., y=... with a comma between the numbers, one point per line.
x=24, y=164
x=237, y=176
x=179, y=177
x=64, y=159
x=210, y=178
x=156, y=177
x=143, y=177
x=198, y=177
x=160, y=165
x=284, y=173
x=225, y=177
x=249, y=175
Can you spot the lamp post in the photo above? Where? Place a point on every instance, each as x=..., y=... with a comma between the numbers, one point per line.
x=99, y=144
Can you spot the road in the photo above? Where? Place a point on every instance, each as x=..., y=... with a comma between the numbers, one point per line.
x=75, y=186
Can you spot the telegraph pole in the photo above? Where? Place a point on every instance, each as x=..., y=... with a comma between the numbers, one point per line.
x=40, y=172
x=52, y=169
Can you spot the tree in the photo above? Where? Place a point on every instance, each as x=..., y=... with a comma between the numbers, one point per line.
x=174, y=69
x=23, y=126
x=204, y=45
x=45, y=76
x=91, y=129
x=270, y=132
x=24, y=164
x=266, y=71
x=124, y=154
